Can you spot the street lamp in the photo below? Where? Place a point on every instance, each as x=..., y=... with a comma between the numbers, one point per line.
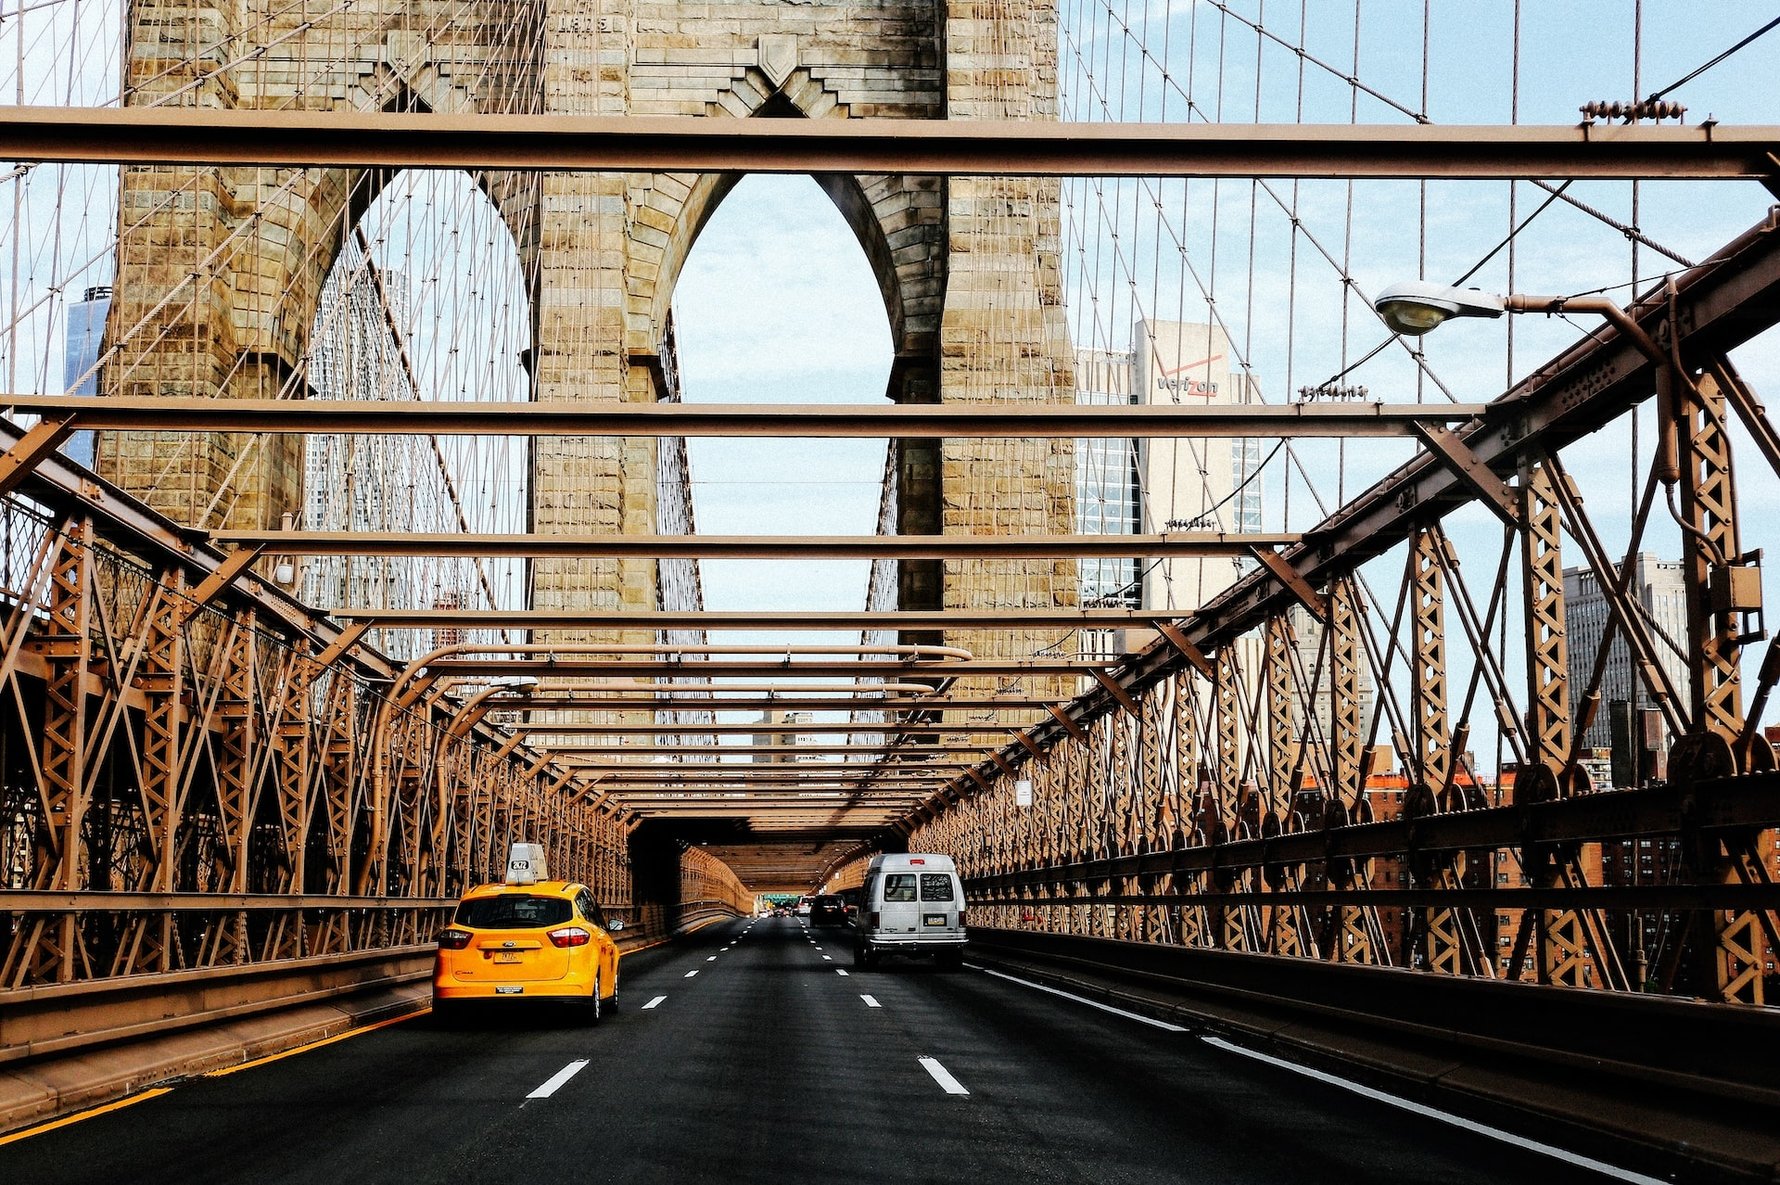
x=1416, y=306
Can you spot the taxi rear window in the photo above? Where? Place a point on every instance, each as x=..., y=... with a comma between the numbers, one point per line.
x=513, y=912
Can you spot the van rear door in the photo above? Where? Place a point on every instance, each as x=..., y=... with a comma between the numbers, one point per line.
x=939, y=903
x=902, y=904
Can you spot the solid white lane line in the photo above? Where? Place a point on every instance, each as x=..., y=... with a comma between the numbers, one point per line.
x=690, y=974
x=942, y=1076
x=838, y=971
x=1458, y=1121
x=1148, y=1020
x=556, y=1080
x=653, y=1003
x=870, y=1001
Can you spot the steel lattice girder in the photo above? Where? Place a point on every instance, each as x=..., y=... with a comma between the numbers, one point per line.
x=1719, y=306
x=402, y=140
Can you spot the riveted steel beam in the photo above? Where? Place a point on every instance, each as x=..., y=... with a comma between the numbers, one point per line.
x=756, y=547
x=903, y=421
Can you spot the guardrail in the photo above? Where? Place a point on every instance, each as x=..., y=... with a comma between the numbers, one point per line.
x=71, y=1045
x=1692, y=1082
x=65, y=1018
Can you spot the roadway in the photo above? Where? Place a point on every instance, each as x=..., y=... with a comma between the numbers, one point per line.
x=754, y=1052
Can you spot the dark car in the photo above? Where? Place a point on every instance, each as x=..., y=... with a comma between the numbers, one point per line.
x=828, y=909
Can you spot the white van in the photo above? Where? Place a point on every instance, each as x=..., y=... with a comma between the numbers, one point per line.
x=910, y=904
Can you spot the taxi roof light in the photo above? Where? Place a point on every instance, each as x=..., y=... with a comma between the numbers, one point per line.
x=527, y=864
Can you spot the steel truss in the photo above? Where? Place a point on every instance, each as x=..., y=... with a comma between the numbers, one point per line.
x=196, y=775
x=1222, y=791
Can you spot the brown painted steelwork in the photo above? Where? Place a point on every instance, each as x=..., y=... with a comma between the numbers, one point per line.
x=1323, y=876
x=759, y=547
x=962, y=148
x=900, y=421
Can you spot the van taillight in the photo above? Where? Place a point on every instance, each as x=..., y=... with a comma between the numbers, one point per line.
x=570, y=936
x=960, y=915
x=871, y=920
x=453, y=939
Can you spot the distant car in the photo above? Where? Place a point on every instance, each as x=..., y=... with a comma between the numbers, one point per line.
x=526, y=940
x=803, y=906
x=781, y=912
x=828, y=909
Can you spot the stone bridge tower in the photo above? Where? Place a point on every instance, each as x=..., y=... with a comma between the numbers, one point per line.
x=968, y=268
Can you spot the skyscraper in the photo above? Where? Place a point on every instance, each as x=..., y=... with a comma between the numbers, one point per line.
x=1164, y=485
x=80, y=361
x=1661, y=596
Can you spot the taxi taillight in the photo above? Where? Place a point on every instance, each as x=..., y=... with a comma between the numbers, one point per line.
x=453, y=939
x=570, y=936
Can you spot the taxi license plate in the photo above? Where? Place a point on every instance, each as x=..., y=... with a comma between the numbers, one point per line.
x=935, y=919
x=509, y=991
x=508, y=956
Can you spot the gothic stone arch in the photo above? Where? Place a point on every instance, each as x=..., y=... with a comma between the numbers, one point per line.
x=969, y=270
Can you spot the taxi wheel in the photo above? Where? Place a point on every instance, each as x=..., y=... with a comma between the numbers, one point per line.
x=593, y=1006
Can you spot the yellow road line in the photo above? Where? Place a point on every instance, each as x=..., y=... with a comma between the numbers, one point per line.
x=273, y=1057
x=53, y=1124
x=161, y=1090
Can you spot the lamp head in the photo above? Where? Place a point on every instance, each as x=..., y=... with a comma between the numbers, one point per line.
x=1416, y=306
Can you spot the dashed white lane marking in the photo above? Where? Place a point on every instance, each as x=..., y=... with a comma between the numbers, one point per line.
x=712, y=959
x=828, y=958
x=942, y=1076
x=557, y=1079
x=870, y=1001
x=1148, y=1020
x=838, y=971
x=653, y=1003
x=690, y=973
x=1458, y=1121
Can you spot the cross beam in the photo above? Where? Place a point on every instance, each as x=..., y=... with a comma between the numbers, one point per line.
x=888, y=620
x=878, y=421
x=404, y=140
x=755, y=547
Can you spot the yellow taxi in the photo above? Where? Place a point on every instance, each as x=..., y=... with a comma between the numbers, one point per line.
x=527, y=938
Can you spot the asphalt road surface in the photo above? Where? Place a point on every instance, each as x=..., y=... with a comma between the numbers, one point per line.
x=754, y=1052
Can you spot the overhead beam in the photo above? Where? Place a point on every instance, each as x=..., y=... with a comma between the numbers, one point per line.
x=849, y=620
x=405, y=140
x=975, y=728
x=877, y=421
x=786, y=753
x=755, y=547
x=676, y=697
x=794, y=667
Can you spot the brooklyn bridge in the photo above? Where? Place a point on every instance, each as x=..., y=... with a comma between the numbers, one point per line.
x=725, y=442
